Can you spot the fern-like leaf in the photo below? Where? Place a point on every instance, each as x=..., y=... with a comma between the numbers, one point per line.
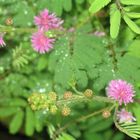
x=131, y=129
x=20, y=59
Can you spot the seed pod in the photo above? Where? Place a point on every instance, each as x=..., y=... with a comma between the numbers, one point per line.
x=106, y=114
x=88, y=93
x=67, y=95
x=52, y=96
x=66, y=111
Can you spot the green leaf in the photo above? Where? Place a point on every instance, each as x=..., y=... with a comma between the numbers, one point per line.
x=115, y=19
x=16, y=122
x=134, y=48
x=118, y=136
x=67, y=5
x=69, y=60
x=8, y=111
x=98, y=4
x=13, y=102
x=131, y=24
x=57, y=6
x=133, y=15
x=136, y=110
x=65, y=136
x=130, y=2
x=30, y=122
x=22, y=9
x=38, y=122
x=131, y=129
x=80, y=1
x=90, y=136
x=42, y=63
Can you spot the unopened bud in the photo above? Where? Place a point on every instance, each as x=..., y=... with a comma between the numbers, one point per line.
x=9, y=21
x=67, y=95
x=53, y=109
x=88, y=93
x=52, y=96
x=106, y=114
x=66, y=111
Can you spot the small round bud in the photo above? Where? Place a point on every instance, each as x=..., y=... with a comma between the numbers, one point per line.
x=9, y=21
x=53, y=109
x=52, y=96
x=66, y=111
x=88, y=93
x=106, y=114
x=67, y=95
x=33, y=107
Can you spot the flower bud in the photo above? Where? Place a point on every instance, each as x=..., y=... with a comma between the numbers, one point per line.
x=67, y=95
x=88, y=93
x=53, y=109
x=52, y=96
x=66, y=111
x=106, y=114
x=9, y=21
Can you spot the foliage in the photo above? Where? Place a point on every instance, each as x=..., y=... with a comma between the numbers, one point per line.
x=80, y=60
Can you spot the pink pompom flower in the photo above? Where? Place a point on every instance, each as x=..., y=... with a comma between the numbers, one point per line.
x=124, y=116
x=41, y=43
x=120, y=91
x=47, y=21
x=2, y=43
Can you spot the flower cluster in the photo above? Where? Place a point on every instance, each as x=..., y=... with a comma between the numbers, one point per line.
x=49, y=103
x=123, y=92
x=45, y=22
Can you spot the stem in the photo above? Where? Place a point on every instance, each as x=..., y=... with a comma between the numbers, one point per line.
x=113, y=55
x=60, y=130
x=82, y=98
x=13, y=29
x=119, y=5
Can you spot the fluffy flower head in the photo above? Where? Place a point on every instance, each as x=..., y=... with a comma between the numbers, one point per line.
x=120, y=91
x=47, y=21
x=125, y=117
x=2, y=43
x=41, y=43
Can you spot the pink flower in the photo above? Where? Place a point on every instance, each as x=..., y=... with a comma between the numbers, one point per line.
x=2, y=43
x=41, y=43
x=47, y=21
x=121, y=91
x=125, y=117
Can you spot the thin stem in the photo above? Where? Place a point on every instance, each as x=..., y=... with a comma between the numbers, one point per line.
x=119, y=5
x=76, y=91
x=82, y=98
x=13, y=29
x=60, y=130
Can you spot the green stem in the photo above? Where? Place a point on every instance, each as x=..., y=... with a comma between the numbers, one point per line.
x=82, y=98
x=60, y=130
x=13, y=29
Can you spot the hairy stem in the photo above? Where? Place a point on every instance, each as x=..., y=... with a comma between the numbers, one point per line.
x=82, y=98
x=61, y=129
